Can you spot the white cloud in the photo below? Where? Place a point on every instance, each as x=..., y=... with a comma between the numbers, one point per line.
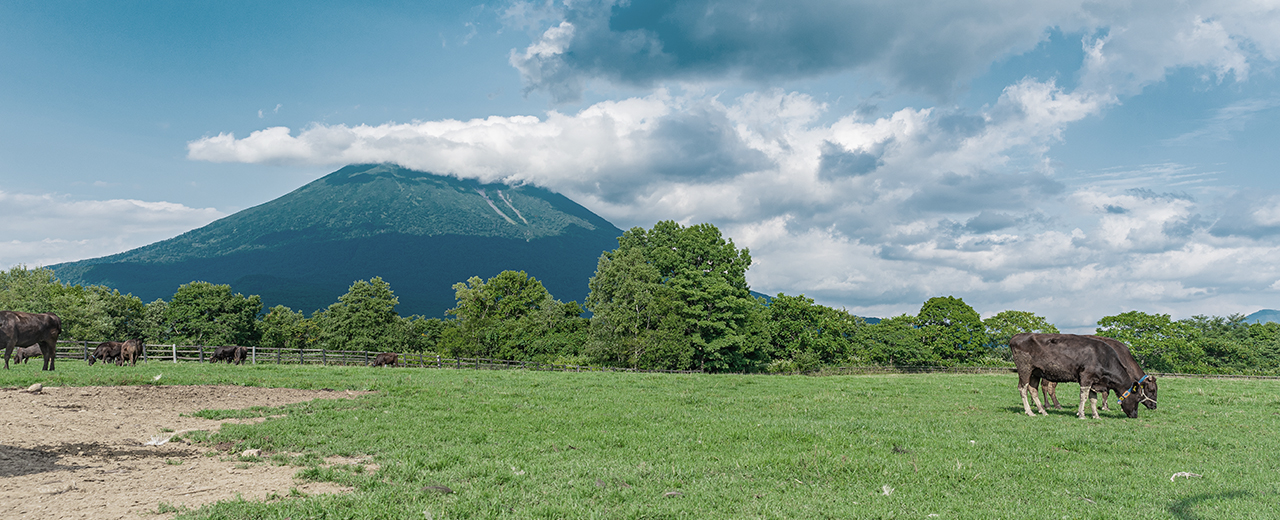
x=48, y=229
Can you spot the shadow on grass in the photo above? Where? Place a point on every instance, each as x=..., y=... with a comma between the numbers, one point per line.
x=1182, y=509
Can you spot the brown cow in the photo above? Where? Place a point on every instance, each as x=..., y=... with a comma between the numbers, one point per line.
x=1067, y=357
x=107, y=352
x=385, y=359
x=129, y=351
x=23, y=329
x=21, y=355
x=1146, y=391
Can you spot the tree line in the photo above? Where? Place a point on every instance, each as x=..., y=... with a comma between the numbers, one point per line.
x=671, y=297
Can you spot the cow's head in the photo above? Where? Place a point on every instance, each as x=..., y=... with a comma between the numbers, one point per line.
x=1147, y=391
x=1129, y=404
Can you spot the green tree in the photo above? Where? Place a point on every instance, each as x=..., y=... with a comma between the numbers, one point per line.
x=1156, y=342
x=952, y=329
x=803, y=335
x=283, y=327
x=202, y=313
x=894, y=341
x=362, y=319
x=693, y=303
x=1007, y=324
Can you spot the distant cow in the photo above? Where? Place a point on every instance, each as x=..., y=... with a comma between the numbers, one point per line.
x=1146, y=391
x=385, y=359
x=22, y=354
x=129, y=351
x=23, y=329
x=227, y=353
x=1067, y=357
x=241, y=354
x=107, y=352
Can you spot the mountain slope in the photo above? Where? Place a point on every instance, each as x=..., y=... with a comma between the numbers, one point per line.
x=418, y=231
x=1263, y=316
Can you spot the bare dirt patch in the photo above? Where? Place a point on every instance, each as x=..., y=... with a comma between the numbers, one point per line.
x=81, y=452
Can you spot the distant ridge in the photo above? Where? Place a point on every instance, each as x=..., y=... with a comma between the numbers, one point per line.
x=1263, y=316
x=419, y=231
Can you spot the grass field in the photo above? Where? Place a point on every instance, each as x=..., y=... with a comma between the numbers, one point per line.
x=616, y=445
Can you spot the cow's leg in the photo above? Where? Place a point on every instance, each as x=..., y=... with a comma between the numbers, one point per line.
x=1084, y=396
x=50, y=349
x=1033, y=384
x=1093, y=401
x=1024, y=384
x=8, y=349
x=1106, y=394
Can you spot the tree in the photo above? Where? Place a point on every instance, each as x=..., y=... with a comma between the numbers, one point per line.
x=952, y=329
x=362, y=319
x=894, y=341
x=807, y=334
x=1156, y=342
x=1007, y=324
x=283, y=327
x=202, y=313
x=677, y=292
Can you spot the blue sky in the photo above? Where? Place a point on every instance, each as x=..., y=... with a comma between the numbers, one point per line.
x=1072, y=159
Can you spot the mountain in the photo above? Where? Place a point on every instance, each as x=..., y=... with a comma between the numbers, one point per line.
x=1263, y=316
x=420, y=232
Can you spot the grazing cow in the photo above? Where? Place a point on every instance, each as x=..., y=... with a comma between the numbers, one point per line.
x=1067, y=357
x=385, y=359
x=1146, y=391
x=241, y=354
x=129, y=351
x=21, y=355
x=23, y=329
x=107, y=352
x=225, y=352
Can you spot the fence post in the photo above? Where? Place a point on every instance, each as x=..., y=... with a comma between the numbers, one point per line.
x=278, y=351
x=366, y=357
x=86, y=350
x=144, y=351
x=324, y=360
x=301, y=360
x=175, y=352
x=255, y=354
x=201, y=349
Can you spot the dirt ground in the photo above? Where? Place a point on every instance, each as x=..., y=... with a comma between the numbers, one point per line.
x=82, y=452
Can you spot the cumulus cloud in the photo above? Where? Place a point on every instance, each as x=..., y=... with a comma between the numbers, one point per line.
x=874, y=214
x=931, y=47
x=87, y=228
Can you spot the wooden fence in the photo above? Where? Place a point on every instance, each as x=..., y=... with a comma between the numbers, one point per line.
x=314, y=356
x=82, y=350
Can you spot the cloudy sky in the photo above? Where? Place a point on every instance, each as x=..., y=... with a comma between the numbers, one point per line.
x=1074, y=159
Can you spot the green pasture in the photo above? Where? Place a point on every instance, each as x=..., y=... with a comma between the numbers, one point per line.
x=490, y=444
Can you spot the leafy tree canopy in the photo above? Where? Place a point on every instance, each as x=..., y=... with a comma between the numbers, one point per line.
x=202, y=313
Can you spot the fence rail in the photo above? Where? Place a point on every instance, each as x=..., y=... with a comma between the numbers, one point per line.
x=82, y=350
x=68, y=349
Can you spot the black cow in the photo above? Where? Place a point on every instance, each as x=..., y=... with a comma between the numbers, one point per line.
x=225, y=352
x=242, y=353
x=23, y=329
x=385, y=359
x=1067, y=357
x=107, y=352
x=22, y=354
x=1146, y=391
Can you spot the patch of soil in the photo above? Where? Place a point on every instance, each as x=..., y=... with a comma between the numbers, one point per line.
x=82, y=452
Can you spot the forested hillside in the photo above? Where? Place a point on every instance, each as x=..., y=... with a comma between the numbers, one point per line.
x=420, y=231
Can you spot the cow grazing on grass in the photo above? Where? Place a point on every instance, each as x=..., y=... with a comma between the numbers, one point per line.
x=129, y=351
x=21, y=355
x=387, y=359
x=227, y=353
x=241, y=354
x=23, y=329
x=1146, y=391
x=107, y=352
x=1067, y=357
